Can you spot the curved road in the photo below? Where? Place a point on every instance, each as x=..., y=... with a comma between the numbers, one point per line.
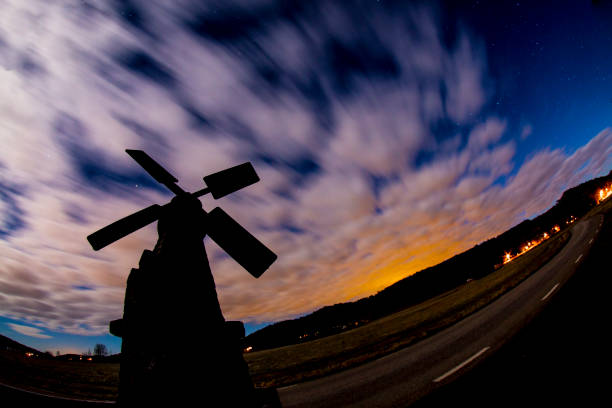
x=403, y=377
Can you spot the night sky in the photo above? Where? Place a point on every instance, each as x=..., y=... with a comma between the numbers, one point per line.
x=388, y=136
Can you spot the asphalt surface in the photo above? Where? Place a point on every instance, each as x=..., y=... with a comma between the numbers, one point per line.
x=14, y=397
x=402, y=378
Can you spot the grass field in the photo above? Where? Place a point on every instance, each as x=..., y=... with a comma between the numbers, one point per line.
x=296, y=363
x=74, y=379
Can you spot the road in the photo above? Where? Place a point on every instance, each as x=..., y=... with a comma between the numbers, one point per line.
x=12, y=396
x=404, y=377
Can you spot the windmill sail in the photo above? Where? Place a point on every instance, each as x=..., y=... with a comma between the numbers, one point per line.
x=124, y=226
x=229, y=180
x=156, y=171
x=249, y=252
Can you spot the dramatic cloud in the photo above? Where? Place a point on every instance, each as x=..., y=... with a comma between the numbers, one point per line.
x=377, y=154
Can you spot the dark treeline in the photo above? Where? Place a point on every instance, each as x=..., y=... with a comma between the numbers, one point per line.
x=474, y=263
x=11, y=345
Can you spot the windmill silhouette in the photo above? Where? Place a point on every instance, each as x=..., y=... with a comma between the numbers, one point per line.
x=251, y=254
x=173, y=289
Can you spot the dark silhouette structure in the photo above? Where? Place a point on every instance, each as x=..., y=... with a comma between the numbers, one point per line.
x=177, y=347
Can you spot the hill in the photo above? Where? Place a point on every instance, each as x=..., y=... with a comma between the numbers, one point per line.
x=474, y=263
x=13, y=346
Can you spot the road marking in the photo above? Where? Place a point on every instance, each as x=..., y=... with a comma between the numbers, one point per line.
x=460, y=366
x=550, y=292
x=578, y=260
x=56, y=398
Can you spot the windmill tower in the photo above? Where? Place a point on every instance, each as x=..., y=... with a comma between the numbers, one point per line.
x=177, y=347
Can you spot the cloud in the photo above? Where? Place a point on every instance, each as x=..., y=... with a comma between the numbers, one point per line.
x=486, y=134
x=29, y=331
x=464, y=79
x=376, y=153
x=527, y=130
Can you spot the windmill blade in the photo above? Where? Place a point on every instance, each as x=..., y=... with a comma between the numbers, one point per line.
x=229, y=180
x=156, y=171
x=123, y=227
x=251, y=254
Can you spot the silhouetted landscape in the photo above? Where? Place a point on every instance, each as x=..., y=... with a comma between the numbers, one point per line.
x=13, y=346
x=474, y=263
x=446, y=276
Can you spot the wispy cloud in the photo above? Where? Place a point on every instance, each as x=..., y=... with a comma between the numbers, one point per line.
x=29, y=331
x=376, y=151
x=527, y=130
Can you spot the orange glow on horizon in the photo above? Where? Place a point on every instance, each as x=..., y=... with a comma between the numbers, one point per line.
x=391, y=266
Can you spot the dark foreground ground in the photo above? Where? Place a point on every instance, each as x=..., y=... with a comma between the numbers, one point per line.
x=561, y=358
x=12, y=397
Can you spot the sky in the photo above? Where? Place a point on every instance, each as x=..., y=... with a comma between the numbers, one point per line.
x=388, y=137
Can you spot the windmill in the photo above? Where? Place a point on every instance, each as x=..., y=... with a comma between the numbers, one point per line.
x=249, y=252
x=159, y=301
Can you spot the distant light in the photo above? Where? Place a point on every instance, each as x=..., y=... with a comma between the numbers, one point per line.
x=529, y=246
x=604, y=193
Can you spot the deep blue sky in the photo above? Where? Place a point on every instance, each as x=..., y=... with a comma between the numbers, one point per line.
x=388, y=135
x=551, y=64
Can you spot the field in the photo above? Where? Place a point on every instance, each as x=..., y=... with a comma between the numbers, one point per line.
x=74, y=379
x=291, y=364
